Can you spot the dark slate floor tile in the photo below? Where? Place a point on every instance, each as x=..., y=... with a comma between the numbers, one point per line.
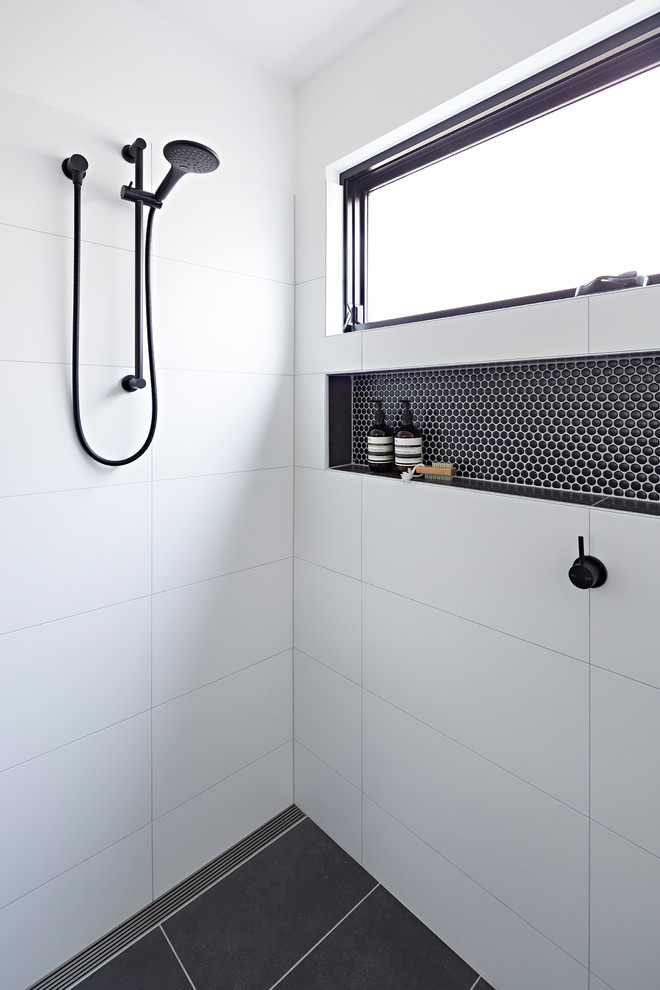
x=381, y=946
x=150, y=964
x=248, y=930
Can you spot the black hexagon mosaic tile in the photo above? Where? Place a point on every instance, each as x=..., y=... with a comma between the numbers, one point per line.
x=578, y=424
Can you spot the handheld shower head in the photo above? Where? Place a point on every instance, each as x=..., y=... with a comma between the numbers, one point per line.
x=185, y=157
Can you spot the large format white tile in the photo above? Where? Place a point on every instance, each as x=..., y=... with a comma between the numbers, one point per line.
x=204, y=737
x=71, y=803
x=310, y=232
x=198, y=831
x=311, y=403
x=500, y=696
x=63, y=680
x=327, y=618
x=540, y=330
x=212, y=422
x=205, y=631
x=40, y=322
x=316, y=352
x=327, y=716
x=327, y=520
x=209, y=526
x=62, y=917
x=625, y=622
x=527, y=849
x=496, y=560
x=625, y=907
x=230, y=221
x=42, y=447
x=219, y=321
x=496, y=942
x=625, y=741
x=46, y=136
x=624, y=321
x=596, y=984
x=70, y=552
x=333, y=803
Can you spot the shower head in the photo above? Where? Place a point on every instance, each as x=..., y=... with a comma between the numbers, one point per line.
x=185, y=157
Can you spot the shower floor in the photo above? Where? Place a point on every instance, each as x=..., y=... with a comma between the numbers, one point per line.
x=299, y=915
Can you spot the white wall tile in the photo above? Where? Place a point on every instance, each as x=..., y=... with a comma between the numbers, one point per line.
x=71, y=552
x=70, y=804
x=327, y=618
x=495, y=941
x=37, y=934
x=205, y=631
x=198, y=831
x=46, y=136
x=596, y=984
x=63, y=680
x=624, y=321
x=625, y=741
x=206, y=527
x=527, y=849
x=314, y=352
x=327, y=716
x=540, y=330
x=502, y=561
x=229, y=221
x=310, y=232
x=311, y=404
x=327, y=520
x=499, y=696
x=204, y=737
x=625, y=907
x=625, y=623
x=212, y=422
x=40, y=321
x=42, y=447
x=328, y=799
x=216, y=320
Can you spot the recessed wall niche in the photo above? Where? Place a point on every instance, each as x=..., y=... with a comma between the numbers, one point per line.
x=588, y=425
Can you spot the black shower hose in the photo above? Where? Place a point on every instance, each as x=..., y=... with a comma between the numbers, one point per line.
x=77, y=198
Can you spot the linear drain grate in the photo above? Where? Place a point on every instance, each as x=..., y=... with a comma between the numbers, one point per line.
x=153, y=914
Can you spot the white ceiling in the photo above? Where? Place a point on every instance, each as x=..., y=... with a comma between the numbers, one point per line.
x=288, y=39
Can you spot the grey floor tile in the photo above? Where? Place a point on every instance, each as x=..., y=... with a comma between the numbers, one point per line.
x=150, y=964
x=381, y=946
x=248, y=930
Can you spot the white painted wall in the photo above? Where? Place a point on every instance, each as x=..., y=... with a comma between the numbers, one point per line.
x=145, y=611
x=481, y=737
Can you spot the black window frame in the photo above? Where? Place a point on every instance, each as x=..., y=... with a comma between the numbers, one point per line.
x=598, y=67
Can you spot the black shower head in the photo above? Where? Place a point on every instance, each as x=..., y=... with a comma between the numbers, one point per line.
x=185, y=157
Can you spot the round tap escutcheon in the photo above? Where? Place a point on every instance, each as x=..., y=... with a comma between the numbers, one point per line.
x=587, y=572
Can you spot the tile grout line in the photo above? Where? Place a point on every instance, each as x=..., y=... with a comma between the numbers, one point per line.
x=444, y=611
x=309, y=952
x=361, y=663
x=589, y=825
x=149, y=711
x=477, y=883
x=185, y=971
x=151, y=674
x=138, y=598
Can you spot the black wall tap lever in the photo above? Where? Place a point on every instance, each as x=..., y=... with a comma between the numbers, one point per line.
x=587, y=572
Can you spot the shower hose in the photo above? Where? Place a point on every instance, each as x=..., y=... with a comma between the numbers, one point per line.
x=75, y=371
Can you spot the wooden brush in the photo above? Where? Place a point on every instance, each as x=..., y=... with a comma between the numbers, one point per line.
x=438, y=468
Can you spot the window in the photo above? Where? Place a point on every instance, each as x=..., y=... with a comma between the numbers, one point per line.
x=522, y=199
